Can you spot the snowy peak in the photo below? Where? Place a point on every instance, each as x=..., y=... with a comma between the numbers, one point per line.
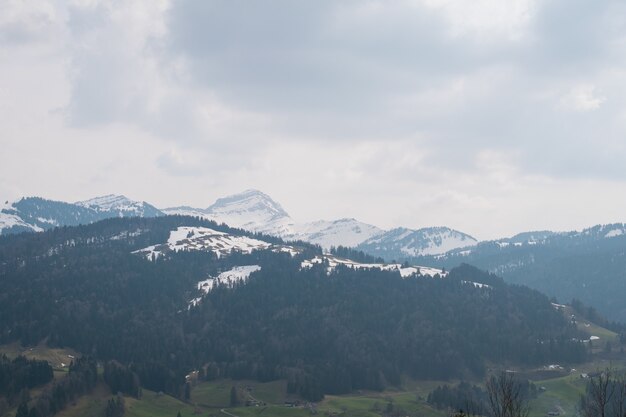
x=251, y=210
x=119, y=205
x=343, y=232
x=106, y=202
x=35, y=214
x=402, y=242
x=249, y=200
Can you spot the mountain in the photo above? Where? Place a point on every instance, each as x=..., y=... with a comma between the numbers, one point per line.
x=342, y=232
x=120, y=206
x=250, y=210
x=168, y=295
x=255, y=211
x=35, y=214
x=402, y=243
x=587, y=265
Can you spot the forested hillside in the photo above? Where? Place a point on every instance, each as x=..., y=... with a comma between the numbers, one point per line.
x=588, y=265
x=325, y=331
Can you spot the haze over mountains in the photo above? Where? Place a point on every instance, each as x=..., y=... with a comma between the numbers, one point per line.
x=251, y=210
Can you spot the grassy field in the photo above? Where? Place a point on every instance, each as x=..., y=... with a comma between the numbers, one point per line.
x=560, y=393
x=89, y=405
x=212, y=399
x=57, y=358
x=217, y=394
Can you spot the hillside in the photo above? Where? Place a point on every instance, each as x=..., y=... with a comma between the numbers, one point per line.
x=588, y=265
x=281, y=315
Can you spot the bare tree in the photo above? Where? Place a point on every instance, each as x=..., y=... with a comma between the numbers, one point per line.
x=619, y=391
x=506, y=396
x=600, y=391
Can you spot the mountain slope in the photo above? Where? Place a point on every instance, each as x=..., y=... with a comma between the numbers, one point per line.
x=261, y=313
x=402, y=243
x=589, y=265
x=342, y=232
x=120, y=206
x=251, y=210
x=257, y=212
x=35, y=214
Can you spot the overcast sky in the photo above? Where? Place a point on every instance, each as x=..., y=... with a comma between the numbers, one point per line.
x=489, y=116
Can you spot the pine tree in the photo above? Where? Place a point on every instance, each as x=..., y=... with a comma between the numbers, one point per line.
x=22, y=410
x=234, y=400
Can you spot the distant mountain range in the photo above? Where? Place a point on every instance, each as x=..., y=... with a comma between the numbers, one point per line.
x=250, y=210
x=34, y=214
x=589, y=265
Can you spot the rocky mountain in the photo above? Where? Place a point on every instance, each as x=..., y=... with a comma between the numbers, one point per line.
x=35, y=214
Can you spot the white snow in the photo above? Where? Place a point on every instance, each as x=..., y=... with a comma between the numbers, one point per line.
x=187, y=238
x=594, y=338
x=111, y=202
x=286, y=249
x=405, y=272
x=614, y=233
x=427, y=241
x=9, y=220
x=125, y=234
x=186, y=211
x=229, y=278
x=342, y=232
x=256, y=212
x=477, y=284
x=251, y=210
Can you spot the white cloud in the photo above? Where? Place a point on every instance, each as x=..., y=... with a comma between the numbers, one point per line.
x=489, y=116
x=582, y=98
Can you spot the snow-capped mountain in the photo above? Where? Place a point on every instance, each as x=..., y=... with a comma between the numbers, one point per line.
x=342, y=232
x=120, y=205
x=34, y=214
x=251, y=210
x=401, y=242
x=257, y=212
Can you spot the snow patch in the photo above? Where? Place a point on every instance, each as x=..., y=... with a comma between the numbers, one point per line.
x=229, y=278
x=614, y=233
x=186, y=238
x=405, y=271
x=477, y=284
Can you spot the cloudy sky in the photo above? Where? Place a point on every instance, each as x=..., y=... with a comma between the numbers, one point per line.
x=487, y=116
